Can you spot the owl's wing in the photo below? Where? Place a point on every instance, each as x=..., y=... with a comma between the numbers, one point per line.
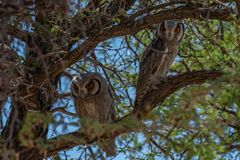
x=111, y=112
x=108, y=145
x=105, y=107
x=148, y=66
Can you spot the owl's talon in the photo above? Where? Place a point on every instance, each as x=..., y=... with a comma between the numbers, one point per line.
x=156, y=82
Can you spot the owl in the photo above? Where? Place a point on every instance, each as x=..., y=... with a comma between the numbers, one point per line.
x=158, y=57
x=93, y=100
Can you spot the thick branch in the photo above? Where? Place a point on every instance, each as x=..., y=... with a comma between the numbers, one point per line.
x=173, y=84
x=88, y=22
x=10, y=8
x=93, y=4
x=131, y=27
x=129, y=123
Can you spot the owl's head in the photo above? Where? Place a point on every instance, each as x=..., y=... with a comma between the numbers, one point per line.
x=171, y=30
x=87, y=85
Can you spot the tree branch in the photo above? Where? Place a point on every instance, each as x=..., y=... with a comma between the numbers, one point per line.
x=173, y=84
x=10, y=8
x=131, y=26
x=131, y=122
x=63, y=110
x=87, y=21
x=17, y=33
x=238, y=6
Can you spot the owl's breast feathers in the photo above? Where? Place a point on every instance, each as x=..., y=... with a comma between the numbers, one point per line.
x=98, y=108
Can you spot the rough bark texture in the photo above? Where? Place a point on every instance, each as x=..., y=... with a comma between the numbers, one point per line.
x=39, y=75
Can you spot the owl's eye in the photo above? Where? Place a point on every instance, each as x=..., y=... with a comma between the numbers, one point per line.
x=177, y=29
x=90, y=85
x=162, y=28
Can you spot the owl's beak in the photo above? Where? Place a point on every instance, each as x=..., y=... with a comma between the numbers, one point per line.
x=82, y=94
x=170, y=35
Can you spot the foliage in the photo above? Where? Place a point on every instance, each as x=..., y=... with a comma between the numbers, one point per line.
x=44, y=44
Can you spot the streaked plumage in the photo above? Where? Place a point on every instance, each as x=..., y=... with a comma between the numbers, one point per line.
x=93, y=99
x=158, y=57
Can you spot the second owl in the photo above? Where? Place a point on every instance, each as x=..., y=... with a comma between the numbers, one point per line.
x=93, y=99
x=158, y=57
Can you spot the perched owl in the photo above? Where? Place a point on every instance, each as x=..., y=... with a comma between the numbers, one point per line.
x=93, y=99
x=158, y=57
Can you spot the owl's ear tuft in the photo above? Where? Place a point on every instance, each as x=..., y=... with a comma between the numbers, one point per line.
x=160, y=27
x=75, y=90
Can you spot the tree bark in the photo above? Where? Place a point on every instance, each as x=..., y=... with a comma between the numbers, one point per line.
x=38, y=90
